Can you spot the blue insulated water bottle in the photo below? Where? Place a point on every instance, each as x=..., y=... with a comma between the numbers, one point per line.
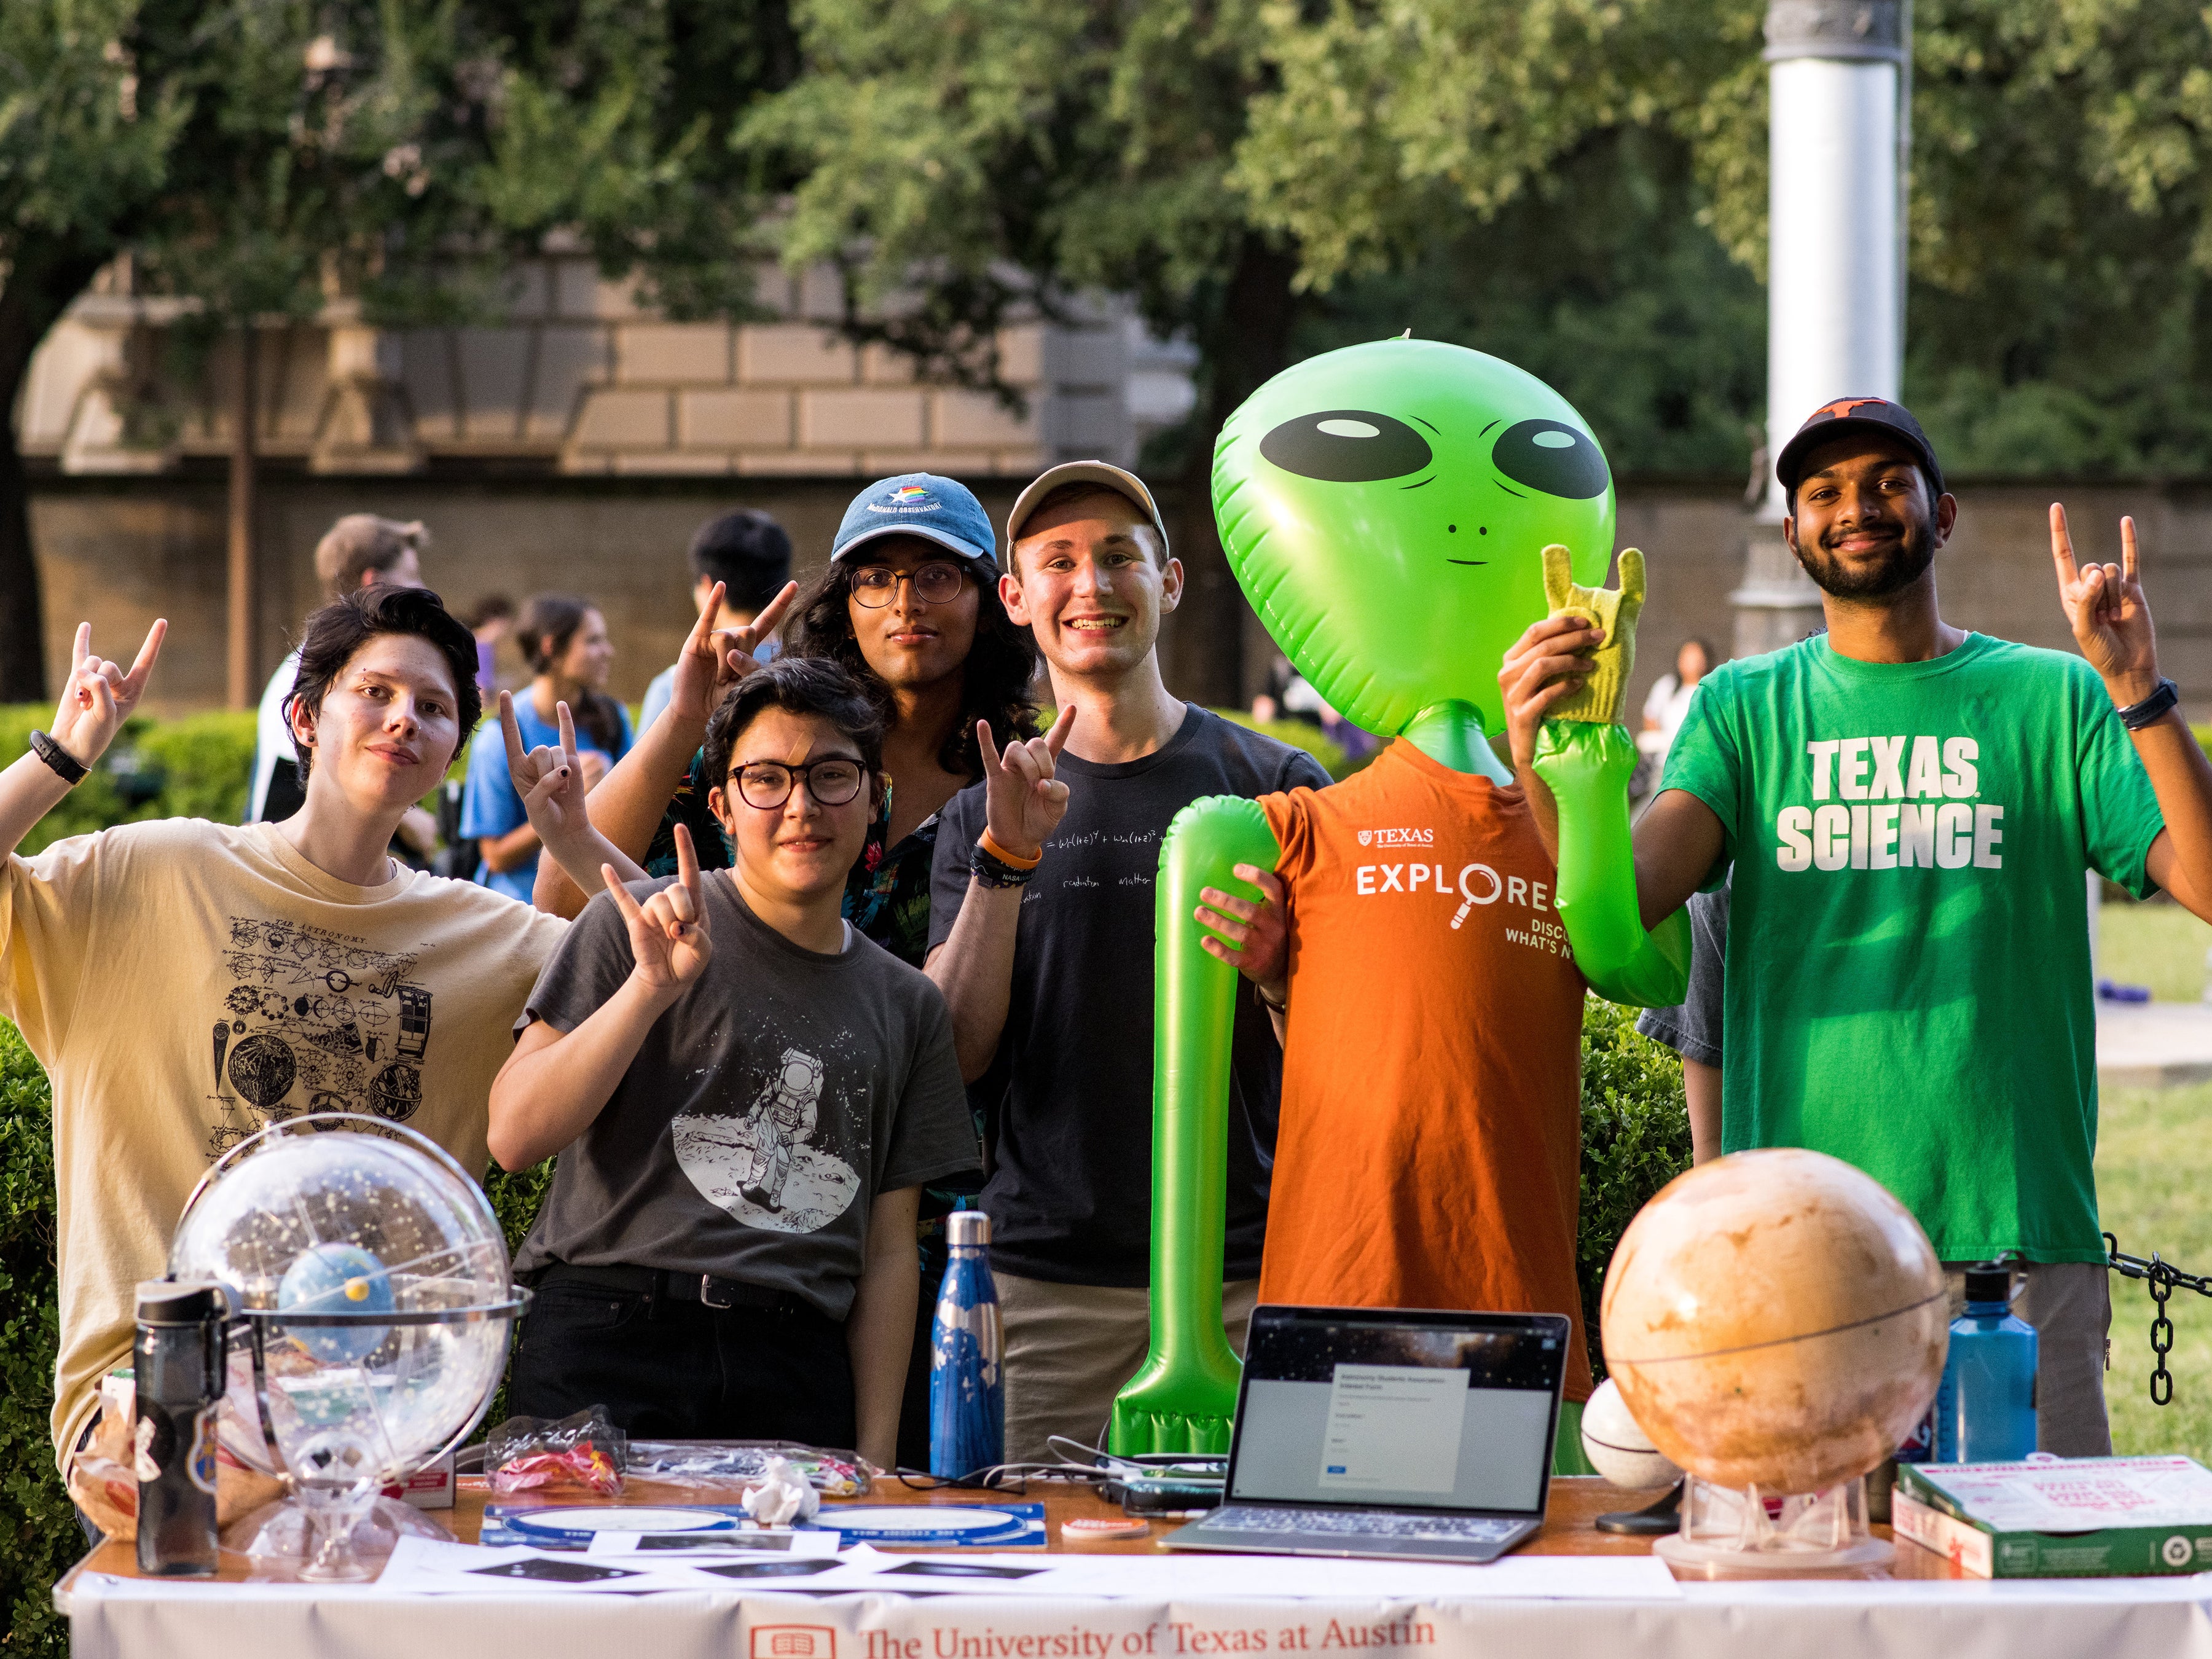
x=967, y=1394
x=1985, y=1408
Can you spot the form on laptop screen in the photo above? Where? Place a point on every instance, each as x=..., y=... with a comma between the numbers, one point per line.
x=1351, y=1412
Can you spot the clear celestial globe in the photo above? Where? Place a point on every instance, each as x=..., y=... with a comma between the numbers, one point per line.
x=335, y=1215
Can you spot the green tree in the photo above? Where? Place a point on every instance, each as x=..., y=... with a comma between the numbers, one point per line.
x=969, y=162
x=1267, y=179
x=265, y=157
x=2059, y=248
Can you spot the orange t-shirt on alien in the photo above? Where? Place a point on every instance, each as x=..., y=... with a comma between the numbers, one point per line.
x=1429, y=1149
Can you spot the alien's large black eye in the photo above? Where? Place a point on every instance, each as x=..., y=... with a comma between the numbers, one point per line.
x=1346, y=446
x=1547, y=456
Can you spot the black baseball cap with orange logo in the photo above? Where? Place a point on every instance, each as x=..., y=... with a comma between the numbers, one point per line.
x=1845, y=415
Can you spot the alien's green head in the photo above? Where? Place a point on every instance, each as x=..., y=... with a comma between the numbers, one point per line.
x=1386, y=509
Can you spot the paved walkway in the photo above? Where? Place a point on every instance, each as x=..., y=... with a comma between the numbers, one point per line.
x=2150, y=1044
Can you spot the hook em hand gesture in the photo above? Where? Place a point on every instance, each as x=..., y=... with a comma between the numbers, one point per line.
x=2105, y=607
x=549, y=780
x=1023, y=801
x=668, y=936
x=98, y=696
x=715, y=658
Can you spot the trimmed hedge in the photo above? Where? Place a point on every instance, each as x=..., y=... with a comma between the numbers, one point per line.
x=198, y=766
x=1635, y=1138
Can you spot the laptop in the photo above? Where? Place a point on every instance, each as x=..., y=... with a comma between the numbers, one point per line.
x=1390, y=1432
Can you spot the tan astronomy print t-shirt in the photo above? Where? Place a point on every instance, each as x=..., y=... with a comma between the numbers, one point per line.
x=186, y=983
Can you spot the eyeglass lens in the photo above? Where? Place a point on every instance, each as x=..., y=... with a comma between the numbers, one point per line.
x=766, y=784
x=934, y=584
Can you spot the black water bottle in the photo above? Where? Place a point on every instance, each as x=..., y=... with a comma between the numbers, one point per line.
x=177, y=1363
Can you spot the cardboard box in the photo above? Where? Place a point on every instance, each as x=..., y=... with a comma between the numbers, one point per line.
x=2060, y=1517
x=430, y=1488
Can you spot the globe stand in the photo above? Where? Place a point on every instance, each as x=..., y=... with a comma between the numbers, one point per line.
x=371, y=1301
x=1728, y=1533
x=1655, y=1521
x=293, y=1539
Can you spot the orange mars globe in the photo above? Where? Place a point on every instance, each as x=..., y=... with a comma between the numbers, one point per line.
x=1775, y=1319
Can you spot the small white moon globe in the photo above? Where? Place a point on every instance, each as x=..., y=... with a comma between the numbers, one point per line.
x=1617, y=1449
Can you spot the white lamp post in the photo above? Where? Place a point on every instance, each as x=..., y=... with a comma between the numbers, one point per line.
x=1836, y=82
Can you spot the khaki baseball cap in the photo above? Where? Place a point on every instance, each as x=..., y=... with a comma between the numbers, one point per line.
x=1105, y=474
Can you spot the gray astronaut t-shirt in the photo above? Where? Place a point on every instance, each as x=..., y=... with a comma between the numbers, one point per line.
x=764, y=1113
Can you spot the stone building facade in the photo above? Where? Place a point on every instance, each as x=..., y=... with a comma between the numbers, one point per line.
x=575, y=448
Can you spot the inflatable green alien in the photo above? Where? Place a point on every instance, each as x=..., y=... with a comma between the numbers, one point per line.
x=1398, y=512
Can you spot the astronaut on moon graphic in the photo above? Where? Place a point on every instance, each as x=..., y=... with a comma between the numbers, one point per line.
x=782, y=1116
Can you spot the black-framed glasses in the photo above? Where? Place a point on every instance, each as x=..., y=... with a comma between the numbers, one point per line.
x=832, y=780
x=935, y=583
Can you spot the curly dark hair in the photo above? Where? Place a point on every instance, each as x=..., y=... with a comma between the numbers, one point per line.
x=801, y=685
x=350, y=622
x=1001, y=664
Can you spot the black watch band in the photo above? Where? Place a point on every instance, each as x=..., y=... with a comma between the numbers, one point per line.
x=64, y=765
x=2152, y=708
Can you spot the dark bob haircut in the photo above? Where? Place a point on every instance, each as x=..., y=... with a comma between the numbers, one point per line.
x=995, y=679
x=799, y=685
x=336, y=633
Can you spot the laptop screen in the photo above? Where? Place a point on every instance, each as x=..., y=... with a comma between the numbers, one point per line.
x=1355, y=1409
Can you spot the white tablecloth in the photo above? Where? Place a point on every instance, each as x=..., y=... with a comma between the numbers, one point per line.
x=2117, y=1619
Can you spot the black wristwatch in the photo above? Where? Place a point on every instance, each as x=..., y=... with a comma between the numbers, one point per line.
x=64, y=765
x=2136, y=716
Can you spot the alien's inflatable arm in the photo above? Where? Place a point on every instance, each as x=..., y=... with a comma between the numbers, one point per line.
x=1585, y=755
x=1184, y=1396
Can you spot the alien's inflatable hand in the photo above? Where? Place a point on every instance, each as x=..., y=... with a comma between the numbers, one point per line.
x=1585, y=756
x=1184, y=1396
x=1604, y=693
x=1587, y=768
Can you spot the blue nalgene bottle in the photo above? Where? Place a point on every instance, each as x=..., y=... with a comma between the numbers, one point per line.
x=967, y=1395
x=1985, y=1408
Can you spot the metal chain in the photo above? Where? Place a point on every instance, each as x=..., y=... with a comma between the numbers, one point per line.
x=2163, y=1278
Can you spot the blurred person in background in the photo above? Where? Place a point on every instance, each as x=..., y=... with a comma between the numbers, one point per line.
x=1670, y=694
x=1662, y=714
x=359, y=551
x=749, y=554
x=490, y=619
x=564, y=640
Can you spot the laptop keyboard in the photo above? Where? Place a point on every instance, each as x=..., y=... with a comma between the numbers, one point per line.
x=1361, y=1523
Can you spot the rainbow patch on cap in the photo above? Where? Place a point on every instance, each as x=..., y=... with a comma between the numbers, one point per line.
x=907, y=498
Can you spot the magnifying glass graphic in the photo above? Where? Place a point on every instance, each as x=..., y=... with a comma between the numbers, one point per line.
x=1490, y=897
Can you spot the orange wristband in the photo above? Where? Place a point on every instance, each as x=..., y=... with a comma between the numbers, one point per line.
x=990, y=845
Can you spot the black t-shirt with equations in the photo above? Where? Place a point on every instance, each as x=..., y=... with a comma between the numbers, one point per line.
x=764, y=1112
x=1070, y=1093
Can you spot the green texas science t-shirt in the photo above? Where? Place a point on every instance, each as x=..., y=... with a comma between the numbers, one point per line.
x=1908, y=963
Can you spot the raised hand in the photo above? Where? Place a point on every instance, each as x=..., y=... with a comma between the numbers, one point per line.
x=98, y=695
x=1613, y=612
x=668, y=936
x=1023, y=801
x=1550, y=661
x=1252, y=936
x=715, y=658
x=2105, y=607
x=549, y=780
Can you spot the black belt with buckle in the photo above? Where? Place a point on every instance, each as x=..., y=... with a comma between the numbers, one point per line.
x=660, y=1285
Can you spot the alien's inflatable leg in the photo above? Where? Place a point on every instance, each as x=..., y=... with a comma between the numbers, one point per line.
x=1184, y=1397
x=1587, y=766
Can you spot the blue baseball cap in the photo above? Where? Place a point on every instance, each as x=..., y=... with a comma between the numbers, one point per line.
x=918, y=504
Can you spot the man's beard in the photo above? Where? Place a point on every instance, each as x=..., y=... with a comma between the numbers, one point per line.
x=1904, y=564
